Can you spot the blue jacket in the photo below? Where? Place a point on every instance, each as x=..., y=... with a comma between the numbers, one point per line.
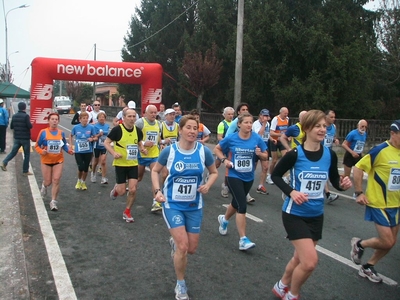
x=3, y=116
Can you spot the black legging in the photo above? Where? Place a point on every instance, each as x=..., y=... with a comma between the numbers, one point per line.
x=239, y=189
x=83, y=161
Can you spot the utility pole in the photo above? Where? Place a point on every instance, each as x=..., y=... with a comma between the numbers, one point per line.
x=239, y=55
x=94, y=83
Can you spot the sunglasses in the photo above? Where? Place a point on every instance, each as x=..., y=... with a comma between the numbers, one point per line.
x=96, y=104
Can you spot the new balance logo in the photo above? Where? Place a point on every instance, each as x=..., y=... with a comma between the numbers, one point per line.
x=40, y=115
x=42, y=92
x=152, y=96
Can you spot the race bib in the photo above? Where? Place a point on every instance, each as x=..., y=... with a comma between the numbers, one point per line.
x=54, y=147
x=184, y=188
x=83, y=145
x=313, y=184
x=131, y=152
x=151, y=136
x=265, y=136
x=328, y=141
x=173, y=140
x=359, y=147
x=102, y=139
x=394, y=180
x=243, y=162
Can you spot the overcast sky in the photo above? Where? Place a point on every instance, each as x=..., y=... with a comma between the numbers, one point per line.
x=63, y=29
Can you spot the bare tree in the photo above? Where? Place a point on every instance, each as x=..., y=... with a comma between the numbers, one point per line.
x=202, y=72
x=74, y=89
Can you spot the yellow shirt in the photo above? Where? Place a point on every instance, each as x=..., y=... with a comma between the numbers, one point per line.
x=127, y=146
x=151, y=133
x=382, y=164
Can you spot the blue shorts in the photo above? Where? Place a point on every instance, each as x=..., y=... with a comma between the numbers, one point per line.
x=388, y=217
x=147, y=161
x=190, y=219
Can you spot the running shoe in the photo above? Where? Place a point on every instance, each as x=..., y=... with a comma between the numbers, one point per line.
x=250, y=199
x=356, y=253
x=156, y=207
x=286, y=179
x=92, y=177
x=181, y=292
x=173, y=247
x=288, y=297
x=245, y=244
x=262, y=190
x=127, y=217
x=78, y=185
x=224, y=191
x=279, y=292
x=112, y=194
x=43, y=190
x=53, y=205
x=332, y=198
x=223, y=225
x=3, y=167
x=269, y=180
x=370, y=273
x=104, y=180
x=83, y=186
x=27, y=173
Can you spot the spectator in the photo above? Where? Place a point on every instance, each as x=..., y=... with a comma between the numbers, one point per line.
x=4, y=119
x=21, y=125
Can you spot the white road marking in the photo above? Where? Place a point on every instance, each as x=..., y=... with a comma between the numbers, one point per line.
x=345, y=196
x=331, y=254
x=349, y=263
x=62, y=280
x=250, y=216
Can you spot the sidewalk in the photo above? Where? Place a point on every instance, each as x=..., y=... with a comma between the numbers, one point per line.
x=13, y=277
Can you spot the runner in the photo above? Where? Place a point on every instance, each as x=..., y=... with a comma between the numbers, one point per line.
x=151, y=137
x=182, y=194
x=261, y=127
x=381, y=200
x=127, y=143
x=310, y=165
x=242, y=148
x=49, y=144
x=84, y=134
x=169, y=135
x=222, y=128
x=100, y=152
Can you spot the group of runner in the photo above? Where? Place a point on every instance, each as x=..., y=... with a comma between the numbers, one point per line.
x=178, y=160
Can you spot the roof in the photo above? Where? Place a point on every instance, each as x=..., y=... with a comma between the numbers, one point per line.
x=10, y=90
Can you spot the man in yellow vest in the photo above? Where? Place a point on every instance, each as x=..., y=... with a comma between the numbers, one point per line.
x=151, y=129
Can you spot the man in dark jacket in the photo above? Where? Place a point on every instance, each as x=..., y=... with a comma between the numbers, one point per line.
x=22, y=125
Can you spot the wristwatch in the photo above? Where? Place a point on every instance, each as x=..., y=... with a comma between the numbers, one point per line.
x=156, y=191
x=223, y=159
x=358, y=193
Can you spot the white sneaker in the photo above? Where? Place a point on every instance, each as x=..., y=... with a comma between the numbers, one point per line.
x=93, y=177
x=53, y=205
x=269, y=180
x=104, y=180
x=224, y=191
x=43, y=190
x=250, y=199
x=245, y=244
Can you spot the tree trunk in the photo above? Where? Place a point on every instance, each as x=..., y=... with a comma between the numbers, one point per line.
x=199, y=101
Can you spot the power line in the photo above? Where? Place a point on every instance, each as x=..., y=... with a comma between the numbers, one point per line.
x=157, y=32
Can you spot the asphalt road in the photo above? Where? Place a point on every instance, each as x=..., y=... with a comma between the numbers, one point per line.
x=86, y=251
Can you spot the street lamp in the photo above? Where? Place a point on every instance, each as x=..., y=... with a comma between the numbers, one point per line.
x=6, y=31
x=8, y=67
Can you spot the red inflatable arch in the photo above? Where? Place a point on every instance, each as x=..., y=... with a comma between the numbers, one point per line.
x=45, y=70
